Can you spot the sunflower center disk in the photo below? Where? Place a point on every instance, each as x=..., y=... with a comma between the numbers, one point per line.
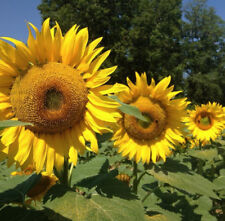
x=151, y=129
x=52, y=97
x=204, y=120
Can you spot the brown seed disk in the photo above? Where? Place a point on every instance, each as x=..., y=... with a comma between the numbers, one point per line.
x=200, y=117
x=155, y=112
x=52, y=97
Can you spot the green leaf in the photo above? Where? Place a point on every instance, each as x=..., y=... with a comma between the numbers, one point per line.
x=158, y=217
x=93, y=181
x=17, y=194
x=91, y=168
x=219, y=182
x=12, y=123
x=188, y=181
x=204, y=206
x=220, y=141
x=74, y=206
x=129, y=109
x=208, y=154
x=14, y=188
x=165, y=214
x=16, y=213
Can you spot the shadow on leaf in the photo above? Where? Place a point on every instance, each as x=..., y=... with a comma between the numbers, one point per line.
x=173, y=165
x=54, y=216
x=11, y=213
x=56, y=191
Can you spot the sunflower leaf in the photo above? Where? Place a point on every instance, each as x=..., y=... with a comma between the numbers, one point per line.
x=208, y=154
x=17, y=213
x=129, y=109
x=204, y=205
x=74, y=206
x=164, y=215
x=12, y=123
x=188, y=181
x=89, y=169
x=17, y=194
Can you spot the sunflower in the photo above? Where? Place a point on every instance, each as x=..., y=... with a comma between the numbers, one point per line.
x=38, y=191
x=206, y=122
x=54, y=82
x=154, y=139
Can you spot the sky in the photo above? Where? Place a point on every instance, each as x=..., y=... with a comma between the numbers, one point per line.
x=14, y=14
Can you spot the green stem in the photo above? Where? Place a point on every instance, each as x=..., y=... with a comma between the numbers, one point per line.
x=140, y=177
x=70, y=174
x=135, y=181
x=146, y=196
x=63, y=175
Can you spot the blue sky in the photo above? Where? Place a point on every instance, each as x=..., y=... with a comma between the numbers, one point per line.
x=15, y=13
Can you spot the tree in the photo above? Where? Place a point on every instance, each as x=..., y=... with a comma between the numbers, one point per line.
x=203, y=36
x=144, y=35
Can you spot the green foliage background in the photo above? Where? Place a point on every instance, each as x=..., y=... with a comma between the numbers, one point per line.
x=159, y=37
x=188, y=186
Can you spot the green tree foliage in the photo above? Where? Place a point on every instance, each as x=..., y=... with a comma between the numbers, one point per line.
x=144, y=35
x=203, y=48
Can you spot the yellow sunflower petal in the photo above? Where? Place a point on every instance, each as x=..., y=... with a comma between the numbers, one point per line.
x=150, y=141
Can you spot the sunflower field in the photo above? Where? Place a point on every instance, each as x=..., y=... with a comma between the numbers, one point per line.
x=74, y=147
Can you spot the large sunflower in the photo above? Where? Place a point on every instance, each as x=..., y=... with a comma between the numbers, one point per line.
x=54, y=82
x=153, y=140
x=206, y=122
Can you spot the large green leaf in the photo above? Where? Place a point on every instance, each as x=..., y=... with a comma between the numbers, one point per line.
x=158, y=217
x=14, y=188
x=15, y=213
x=74, y=206
x=91, y=168
x=219, y=182
x=208, y=154
x=93, y=181
x=17, y=194
x=165, y=214
x=129, y=109
x=204, y=206
x=188, y=181
x=12, y=123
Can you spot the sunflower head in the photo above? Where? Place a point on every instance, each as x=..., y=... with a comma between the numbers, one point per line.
x=55, y=83
x=37, y=192
x=26, y=171
x=206, y=122
x=154, y=138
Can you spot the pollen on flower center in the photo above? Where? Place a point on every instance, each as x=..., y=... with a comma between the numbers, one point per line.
x=52, y=97
x=142, y=130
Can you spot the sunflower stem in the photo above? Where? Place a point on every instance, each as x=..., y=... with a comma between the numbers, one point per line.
x=64, y=175
x=140, y=177
x=70, y=174
x=135, y=180
x=146, y=196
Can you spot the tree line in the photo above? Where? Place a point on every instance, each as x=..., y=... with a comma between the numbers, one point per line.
x=159, y=37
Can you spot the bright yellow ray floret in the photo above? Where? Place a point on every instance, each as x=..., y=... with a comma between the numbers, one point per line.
x=154, y=139
x=206, y=122
x=54, y=82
